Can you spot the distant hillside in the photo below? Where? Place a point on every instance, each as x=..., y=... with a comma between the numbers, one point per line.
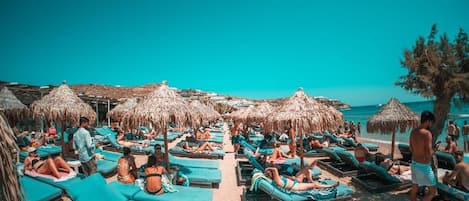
x=89, y=92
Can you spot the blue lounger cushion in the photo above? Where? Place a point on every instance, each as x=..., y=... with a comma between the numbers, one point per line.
x=94, y=187
x=185, y=193
x=351, y=142
x=445, y=160
x=108, y=155
x=251, y=147
x=341, y=191
x=127, y=190
x=348, y=158
x=457, y=193
x=106, y=167
x=332, y=154
x=51, y=149
x=380, y=172
x=64, y=185
x=38, y=191
x=42, y=154
x=186, y=162
x=202, y=175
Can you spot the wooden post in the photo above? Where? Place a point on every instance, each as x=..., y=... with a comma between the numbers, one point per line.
x=301, y=148
x=393, y=144
x=166, y=149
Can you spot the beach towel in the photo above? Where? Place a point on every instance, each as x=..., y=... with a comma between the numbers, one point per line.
x=405, y=176
x=279, y=161
x=63, y=176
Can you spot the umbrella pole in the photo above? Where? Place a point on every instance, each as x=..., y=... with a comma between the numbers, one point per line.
x=393, y=144
x=62, y=140
x=166, y=150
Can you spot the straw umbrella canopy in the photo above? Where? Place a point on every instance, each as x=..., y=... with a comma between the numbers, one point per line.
x=393, y=117
x=11, y=106
x=160, y=108
x=305, y=114
x=120, y=110
x=206, y=112
x=259, y=112
x=11, y=190
x=62, y=105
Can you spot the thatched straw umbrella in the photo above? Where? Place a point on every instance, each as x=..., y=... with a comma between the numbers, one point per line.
x=12, y=107
x=259, y=112
x=11, y=189
x=306, y=114
x=392, y=117
x=206, y=112
x=119, y=111
x=62, y=105
x=160, y=108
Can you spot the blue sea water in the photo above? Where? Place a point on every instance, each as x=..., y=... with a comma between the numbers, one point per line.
x=362, y=113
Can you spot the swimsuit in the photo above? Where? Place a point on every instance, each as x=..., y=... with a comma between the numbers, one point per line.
x=154, y=175
x=422, y=174
x=360, y=159
x=284, y=180
x=34, y=161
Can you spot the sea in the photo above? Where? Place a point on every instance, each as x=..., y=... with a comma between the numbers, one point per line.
x=362, y=113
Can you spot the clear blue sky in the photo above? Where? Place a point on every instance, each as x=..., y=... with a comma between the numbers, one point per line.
x=349, y=50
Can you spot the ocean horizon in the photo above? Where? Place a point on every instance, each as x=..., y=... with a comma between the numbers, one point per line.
x=363, y=113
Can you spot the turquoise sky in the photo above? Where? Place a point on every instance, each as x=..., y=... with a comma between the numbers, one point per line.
x=349, y=50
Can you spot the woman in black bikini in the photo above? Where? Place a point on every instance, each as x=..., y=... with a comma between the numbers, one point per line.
x=153, y=174
x=49, y=166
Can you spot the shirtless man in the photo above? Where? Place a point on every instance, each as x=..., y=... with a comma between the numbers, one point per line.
x=465, y=133
x=459, y=177
x=420, y=144
x=292, y=136
x=450, y=145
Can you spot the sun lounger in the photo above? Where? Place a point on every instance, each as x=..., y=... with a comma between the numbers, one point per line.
x=445, y=160
x=203, y=176
x=341, y=163
x=38, y=191
x=171, y=136
x=452, y=192
x=333, y=139
x=179, y=151
x=108, y=155
x=405, y=152
x=106, y=168
x=378, y=180
x=350, y=144
x=196, y=163
x=342, y=192
x=133, y=192
x=94, y=187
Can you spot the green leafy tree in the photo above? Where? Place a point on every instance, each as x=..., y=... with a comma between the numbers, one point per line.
x=439, y=70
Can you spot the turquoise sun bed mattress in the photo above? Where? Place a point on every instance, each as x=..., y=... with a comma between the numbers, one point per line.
x=133, y=192
x=38, y=191
x=94, y=188
x=196, y=163
x=453, y=192
x=108, y=155
x=106, y=167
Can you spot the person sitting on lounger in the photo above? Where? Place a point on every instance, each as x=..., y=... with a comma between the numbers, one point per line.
x=48, y=167
x=235, y=138
x=451, y=146
x=126, y=168
x=202, y=147
x=293, y=185
x=394, y=167
x=277, y=154
x=315, y=144
x=361, y=152
x=153, y=176
x=304, y=173
x=459, y=177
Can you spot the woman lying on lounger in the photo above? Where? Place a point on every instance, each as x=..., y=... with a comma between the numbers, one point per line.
x=293, y=185
x=153, y=173
x=48, y=167
x=394, y=167
x=121, y=140
x=304, y=173
x=202, y=147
